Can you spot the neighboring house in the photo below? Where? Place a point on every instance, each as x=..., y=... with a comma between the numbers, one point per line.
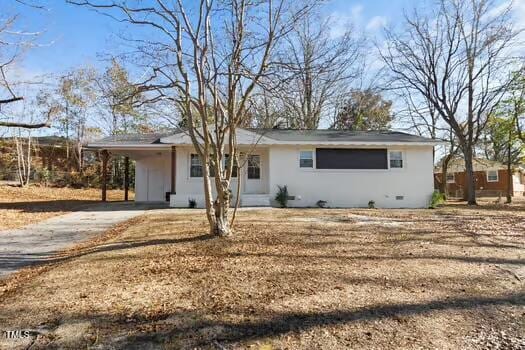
x=491, y=178
x=346, y=169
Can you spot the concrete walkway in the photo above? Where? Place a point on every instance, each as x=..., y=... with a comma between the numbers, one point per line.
x=38, y=242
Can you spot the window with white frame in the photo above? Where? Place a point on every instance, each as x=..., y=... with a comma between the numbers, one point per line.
x=396, y=159
x=195, y=166
x=451, y=178
x=254, y=166
x=306, y=159
x=492, y=176
x=235, y=165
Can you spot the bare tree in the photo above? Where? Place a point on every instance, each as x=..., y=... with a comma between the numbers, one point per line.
x=72, y=99
x=457, y=58
x=119, y=99
x=12, y=44
x=514, y=103
x=316, y=70
x=420, y=116
x=208, y=58
x=23, y=156
x=363, y=110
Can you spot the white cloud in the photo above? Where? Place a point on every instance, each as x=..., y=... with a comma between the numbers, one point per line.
x=376, y=23
x=518, y=7
x=356, y=11
x=342, y=21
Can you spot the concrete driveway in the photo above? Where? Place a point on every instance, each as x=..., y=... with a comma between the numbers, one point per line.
x=39, y=242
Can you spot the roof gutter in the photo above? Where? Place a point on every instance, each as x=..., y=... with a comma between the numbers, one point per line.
x=100, y=146
x=279, y=143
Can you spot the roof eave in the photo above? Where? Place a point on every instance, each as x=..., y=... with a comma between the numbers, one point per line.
x=275, y=143
x=100, y=146
x=361, y=143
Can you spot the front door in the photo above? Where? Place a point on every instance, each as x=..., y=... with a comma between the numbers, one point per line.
x=254, y=175
x=156, y=182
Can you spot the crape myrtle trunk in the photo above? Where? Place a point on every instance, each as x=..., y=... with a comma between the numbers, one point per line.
x=221, y=205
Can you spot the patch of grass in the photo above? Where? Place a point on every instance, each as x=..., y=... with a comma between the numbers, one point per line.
x=21, y=206
x=290, y=278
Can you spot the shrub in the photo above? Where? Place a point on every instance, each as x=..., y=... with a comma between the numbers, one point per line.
x=371, y=204
x=437, y=199
x=192, y=203
x=76, y=180
x=44, y=175
x=282, y=196
x=321, y=203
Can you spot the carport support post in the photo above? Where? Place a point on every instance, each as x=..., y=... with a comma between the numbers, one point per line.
x=173, y=169
x=126, y=178
x=105, y=157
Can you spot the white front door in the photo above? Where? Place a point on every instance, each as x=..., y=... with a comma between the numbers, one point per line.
x=156, y=182
x=254, y=175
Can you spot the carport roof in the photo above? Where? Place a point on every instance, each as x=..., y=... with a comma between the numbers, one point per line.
x=133, y=139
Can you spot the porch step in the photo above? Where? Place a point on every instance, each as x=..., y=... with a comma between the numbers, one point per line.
x=255, y=200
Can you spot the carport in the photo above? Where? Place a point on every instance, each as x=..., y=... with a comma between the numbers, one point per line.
x=154, y=160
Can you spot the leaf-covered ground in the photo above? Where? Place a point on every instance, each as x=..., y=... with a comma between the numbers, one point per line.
x=21, y=206
x=451, y=278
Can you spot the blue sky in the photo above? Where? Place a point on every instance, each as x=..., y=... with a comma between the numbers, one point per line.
x=77, y=36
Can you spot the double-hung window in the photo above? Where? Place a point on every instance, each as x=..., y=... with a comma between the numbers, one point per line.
x=396, y=159
x=451, y=178
x=195, y=166
x=235, y=165
x=306, y=159
x=492, y=176
x=254, y=166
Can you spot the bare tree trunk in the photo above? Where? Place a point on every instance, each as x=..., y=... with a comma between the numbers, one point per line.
x=470, y=176
x=23, y=160
x=79, y=148
x=238, y=193
x=446, y=161
x=509, y=168
x=28, y=174
x=444, y=172
x=221, y=205
x=208, y=195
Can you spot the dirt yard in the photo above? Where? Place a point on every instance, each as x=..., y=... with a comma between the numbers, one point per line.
x=451, y=278
x=22, y=206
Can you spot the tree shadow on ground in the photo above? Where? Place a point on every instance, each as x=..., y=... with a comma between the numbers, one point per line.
x=202, y=330
x=78, y=205
x=46, y=206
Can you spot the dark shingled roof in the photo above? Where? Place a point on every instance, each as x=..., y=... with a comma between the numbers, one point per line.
x=283, y=135
x=340, y=135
